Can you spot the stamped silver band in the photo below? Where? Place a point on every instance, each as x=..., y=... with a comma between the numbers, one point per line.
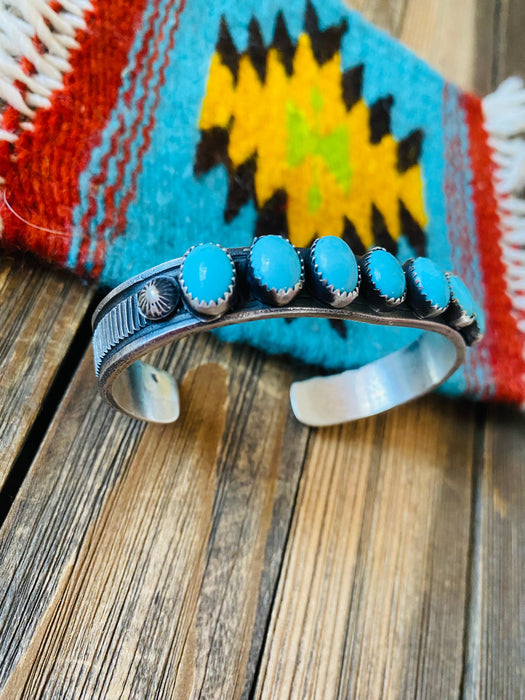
x=123, y=335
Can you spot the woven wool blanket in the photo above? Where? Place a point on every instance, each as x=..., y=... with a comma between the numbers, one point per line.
x=132, y=130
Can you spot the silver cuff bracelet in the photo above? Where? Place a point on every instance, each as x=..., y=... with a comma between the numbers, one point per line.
x=212, y=287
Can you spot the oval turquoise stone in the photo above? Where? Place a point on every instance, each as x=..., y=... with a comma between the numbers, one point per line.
x=461, y=295
x=431, y=281
x=275, y=263
x=336, y=263
x=208, y=272
x=385, y=274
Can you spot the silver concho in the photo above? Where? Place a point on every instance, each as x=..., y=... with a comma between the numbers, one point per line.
x=158, y=298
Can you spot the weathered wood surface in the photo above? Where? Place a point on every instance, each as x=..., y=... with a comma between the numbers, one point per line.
x=393, y=517
x=238, y=554
x=39, y=315
x=499, y=45
x=140, y=561
x=497, y=634
x=372, y=595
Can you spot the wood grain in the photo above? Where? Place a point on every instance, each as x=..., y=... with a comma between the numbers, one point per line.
x=141, y=561
x=237, y=554
x=498, y=632
x=443, y=33
x=39, y=314
x=440, y=31
x=495, y=637
x=372, y=599
x=372, y=595
x=387, y=14
x=499, y=46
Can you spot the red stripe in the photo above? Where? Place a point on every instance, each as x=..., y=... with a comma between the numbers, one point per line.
x=99, y=178
x=504, y=342
x=125, y=149
x=42, y=168
x=146, y=127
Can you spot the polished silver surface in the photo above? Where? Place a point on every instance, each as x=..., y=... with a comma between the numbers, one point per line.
x=158, y=298
x=122, y=338
x=378, y=386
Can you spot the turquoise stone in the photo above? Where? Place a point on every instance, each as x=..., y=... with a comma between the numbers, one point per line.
x=275, y=263
x=385, y=274
x=461, y=295
x=431, y=281
x=208, y=273
x=336, y=263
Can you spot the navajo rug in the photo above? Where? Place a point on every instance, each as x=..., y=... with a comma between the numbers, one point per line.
x=130, y=131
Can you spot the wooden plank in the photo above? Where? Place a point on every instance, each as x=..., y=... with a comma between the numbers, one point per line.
x=442, y=32
x=40, y=312
x=372, y=595
x=511, y=45
x=140, y=561
x=497, y=634
x=387, y=14
x=499, y=46
x=486, y=46
x=495, y=637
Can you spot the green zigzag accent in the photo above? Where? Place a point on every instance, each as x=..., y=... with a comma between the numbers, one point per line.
x=303, y=141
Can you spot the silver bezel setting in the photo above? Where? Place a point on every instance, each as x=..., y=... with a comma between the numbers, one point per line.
x=459, y=318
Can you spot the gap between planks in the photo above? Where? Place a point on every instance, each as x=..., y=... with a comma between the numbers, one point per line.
x=41, y=311
x=425, y=613
x=152, y=562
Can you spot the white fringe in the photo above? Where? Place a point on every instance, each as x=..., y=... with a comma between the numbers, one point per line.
x=504, y=113
x=21, y=22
